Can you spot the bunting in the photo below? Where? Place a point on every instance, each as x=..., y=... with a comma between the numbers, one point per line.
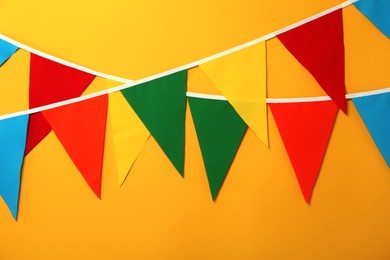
x=50, y=82
x=319, y=47
x=377, y=11
x=305, y=129
x=6, y=51
x=161, y=104
x=157, y=107
x=241, y=78
x=220, y=130
x=130, y=134
x=80, y=127
x=375, y=112
x=12, y=143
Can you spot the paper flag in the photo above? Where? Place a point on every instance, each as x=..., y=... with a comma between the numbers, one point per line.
x=375, y=112
x=161, y=104
x=130, y=134
x=241, y=78
x=80, y=127
x=377, y=11
x=220, y=130
x=6, y=51
x=305, y=129
x=50, y=82
x=12, y=141
x=319, y=47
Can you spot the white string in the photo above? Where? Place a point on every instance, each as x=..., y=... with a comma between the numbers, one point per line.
x=130, y=83
x=326, y=98
x=64, y=62
x=300, y=99
x=189, y=94
x=205, y=96
x=368, y=93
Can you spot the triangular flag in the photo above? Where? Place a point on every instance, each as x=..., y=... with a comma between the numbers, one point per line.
x=80, y=127
x=50, y=82
x=38, y=128
x=161, y=104
x=319, y=46
x=6, y=51
x=12, y=141
x=377, y=11
x=220, y=130
x=375, y=112
x=130, y=134
x=305, y=129
x=241, y=78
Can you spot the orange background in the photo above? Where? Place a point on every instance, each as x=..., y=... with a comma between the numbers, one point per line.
x=260, y=212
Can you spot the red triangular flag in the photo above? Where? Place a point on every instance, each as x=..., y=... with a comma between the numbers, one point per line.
x=50, y=82
x=319, y=47
x=38, y=128
x=80, y=127
x=305, y=129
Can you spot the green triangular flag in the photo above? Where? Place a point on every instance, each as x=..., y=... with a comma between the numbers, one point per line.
x=161, y=104
x=220, y=130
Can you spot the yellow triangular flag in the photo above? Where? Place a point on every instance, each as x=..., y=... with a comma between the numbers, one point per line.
x=241, y=78
x=129, y=132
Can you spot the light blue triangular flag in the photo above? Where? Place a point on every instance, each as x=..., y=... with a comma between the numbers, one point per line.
x=6, y=51
x=12, y=143
x=375, y=112
x=378, y=12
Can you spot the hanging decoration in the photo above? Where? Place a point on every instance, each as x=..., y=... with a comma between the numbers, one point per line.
x=305, y=128
x=241, y=78
x=375, y=112
x=12, y=142
x=319, y=47
x=6, y=51
x=377, y=11
x=80, y=127
x=220, y=130
x=130, y=134
x=161, y=105
x=50, y=82
x=157, y=106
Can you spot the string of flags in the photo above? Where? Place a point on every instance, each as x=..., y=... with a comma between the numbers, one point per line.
x=156, y=107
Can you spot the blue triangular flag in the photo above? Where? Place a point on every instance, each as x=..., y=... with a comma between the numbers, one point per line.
x=12, y=143
x=375, y=112
x=6, y=51
x=378, y=12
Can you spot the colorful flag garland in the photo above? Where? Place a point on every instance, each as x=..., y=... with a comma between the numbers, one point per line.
x=159, y=102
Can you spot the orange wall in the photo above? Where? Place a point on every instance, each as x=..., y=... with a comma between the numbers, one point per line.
x=260, y=212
